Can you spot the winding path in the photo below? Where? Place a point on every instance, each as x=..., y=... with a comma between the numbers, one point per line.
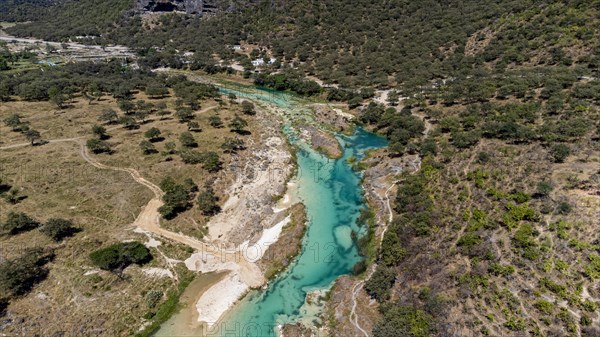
x=149, y=218
x=358, y=287
x=353, y=315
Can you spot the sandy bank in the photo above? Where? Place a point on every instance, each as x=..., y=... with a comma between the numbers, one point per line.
x=215, y=301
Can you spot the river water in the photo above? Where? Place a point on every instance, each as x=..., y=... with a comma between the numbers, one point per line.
x=332, y=194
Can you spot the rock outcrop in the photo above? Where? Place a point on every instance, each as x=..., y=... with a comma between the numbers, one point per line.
x=197, y=7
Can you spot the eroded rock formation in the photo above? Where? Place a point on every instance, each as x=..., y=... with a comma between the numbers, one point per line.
x=197, y=7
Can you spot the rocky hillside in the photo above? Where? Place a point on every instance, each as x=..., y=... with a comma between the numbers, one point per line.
x=196, y=7
x=496, y=233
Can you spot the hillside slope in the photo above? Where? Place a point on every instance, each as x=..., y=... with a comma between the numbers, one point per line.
x=496, y=234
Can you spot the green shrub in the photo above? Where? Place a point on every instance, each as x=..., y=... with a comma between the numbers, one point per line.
x=57, y=229
x=120, y=255
x=544, y=306
x=589, y=306
x=19, y=275
x=518, y=213
x=554, y=287
x=153, y=297
x=18, y=222
x=592, y=269
x=515, y=324
x=585, y=321
x=544, y=188
x=520, y=197
x=564, y=208
x=559, y=152
x=524, y=239
x=400, y=320
x=497, y=269
x=98, y=146
x=469, y=240
x=380, y=283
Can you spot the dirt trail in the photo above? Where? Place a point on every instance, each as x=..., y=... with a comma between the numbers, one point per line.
x=149, y=218
x=358, y=287
x=416, y=164
x=353, y=316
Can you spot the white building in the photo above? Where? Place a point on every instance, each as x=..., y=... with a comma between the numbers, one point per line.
x=258, y=62
x=261, y=62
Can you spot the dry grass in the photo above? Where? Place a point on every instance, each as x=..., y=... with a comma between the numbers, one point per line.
x=59, y=183
x=77, y=120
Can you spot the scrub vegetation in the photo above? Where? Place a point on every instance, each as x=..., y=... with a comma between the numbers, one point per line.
x=495, y=232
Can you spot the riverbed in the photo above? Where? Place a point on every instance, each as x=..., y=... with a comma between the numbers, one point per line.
x=332, y=194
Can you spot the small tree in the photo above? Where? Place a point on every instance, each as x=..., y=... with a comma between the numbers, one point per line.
x=141, y=115
x=393, y=98
x=184, y=114
x=544, y=188
x=145, y=106
x=380, y=283
x=191, y=99
x=147, y=147
x=19, y=275
x=18, y=223
x=100, y=131
x=211, y=161
x=238, y=124
x=94, y=93
x=396, y=149
x=123, y=91
x=126, y=105
x=190, y=156
x=153, y=134
x=161, y=110
x=57, y=97
x=559, y=152
x=13, y=121
x=232, y=145
x=193, y=126
x=156, y=90
x=12, y=196
x=98, y=146
x=187, y=140
x=109, y=116
x=3, y=186
x=190, y=185
x=207, y=202
x=354, y=102
x=32, y=136
x=118, y=256
x=248, y=108
x=58, y=229
x=170, y=147
x=176, y=198
x=215, y=122
x=128, y=122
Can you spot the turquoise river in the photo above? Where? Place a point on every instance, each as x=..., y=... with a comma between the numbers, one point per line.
x=331, y=192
